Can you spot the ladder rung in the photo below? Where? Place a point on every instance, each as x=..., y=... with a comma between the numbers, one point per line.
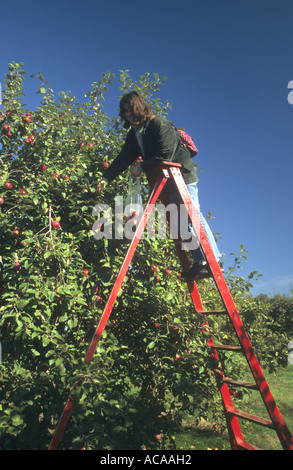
x=244, y=445
x=213, y=312
x=226, y=347
x=240, y=383
x=254, y=419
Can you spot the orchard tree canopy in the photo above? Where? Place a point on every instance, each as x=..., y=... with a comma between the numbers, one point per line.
x=152, y=364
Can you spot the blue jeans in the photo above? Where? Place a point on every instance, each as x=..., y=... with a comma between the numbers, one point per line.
x=197, y=254
x=193, y=191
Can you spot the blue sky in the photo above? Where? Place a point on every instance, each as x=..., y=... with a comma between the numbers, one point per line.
x=228, y=65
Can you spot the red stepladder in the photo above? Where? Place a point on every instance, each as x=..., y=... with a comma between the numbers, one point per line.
x=169, y=173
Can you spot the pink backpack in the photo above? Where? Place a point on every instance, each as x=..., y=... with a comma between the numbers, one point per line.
x=187, y=141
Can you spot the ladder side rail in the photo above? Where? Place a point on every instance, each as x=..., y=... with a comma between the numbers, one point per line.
x=233, y=426
x=153, y=196
x=155, y=192
x=282, y=430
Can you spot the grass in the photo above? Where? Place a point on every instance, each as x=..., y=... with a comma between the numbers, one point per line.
x=203, y=437
x=281, y=387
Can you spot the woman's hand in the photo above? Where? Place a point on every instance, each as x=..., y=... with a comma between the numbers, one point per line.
x=102, y=184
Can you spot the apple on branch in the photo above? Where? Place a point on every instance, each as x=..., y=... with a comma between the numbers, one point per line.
x=55, y=224
x=27, y=118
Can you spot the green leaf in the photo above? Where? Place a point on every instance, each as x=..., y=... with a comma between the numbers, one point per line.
x=35, y=352
x=45, y=341
x=17, y=420
x=151, y=345
x=72, y=323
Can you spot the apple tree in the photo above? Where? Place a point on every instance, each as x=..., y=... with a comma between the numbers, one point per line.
x=152, y=364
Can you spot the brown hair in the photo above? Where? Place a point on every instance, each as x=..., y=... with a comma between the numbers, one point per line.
x=141, y=111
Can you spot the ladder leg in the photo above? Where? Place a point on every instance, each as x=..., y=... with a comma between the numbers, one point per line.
x=279, y=424
x=232, y=422
x=153, y=196
x=123, y=270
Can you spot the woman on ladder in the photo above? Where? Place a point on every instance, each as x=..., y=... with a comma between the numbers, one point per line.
x=157, y=141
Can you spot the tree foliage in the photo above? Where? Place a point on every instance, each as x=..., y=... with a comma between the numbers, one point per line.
x=152, y=364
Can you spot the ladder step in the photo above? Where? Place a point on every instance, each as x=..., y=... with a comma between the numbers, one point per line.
x=254, y=419
x=226, y=347
x=244, y=445
x=240, y=383
x=213, y=312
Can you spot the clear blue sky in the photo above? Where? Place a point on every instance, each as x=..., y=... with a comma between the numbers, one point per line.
x=228, y=65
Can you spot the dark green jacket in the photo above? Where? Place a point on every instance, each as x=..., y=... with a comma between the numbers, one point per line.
x=161, y=143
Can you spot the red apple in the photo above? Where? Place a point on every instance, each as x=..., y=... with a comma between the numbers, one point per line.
x=55, y=224
x=99, y=299
x=42, y=167
x=105, y=164
x=26, y=118
x=8, y=185
x=30, y=140
x=15, y=232
x=17, y=266
x=168, y=271
x=23, y=192
x=56, y=175
x=1, y=200
x=91, y=144
x=6, y=130
x=86, y=272
x=154, y=267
